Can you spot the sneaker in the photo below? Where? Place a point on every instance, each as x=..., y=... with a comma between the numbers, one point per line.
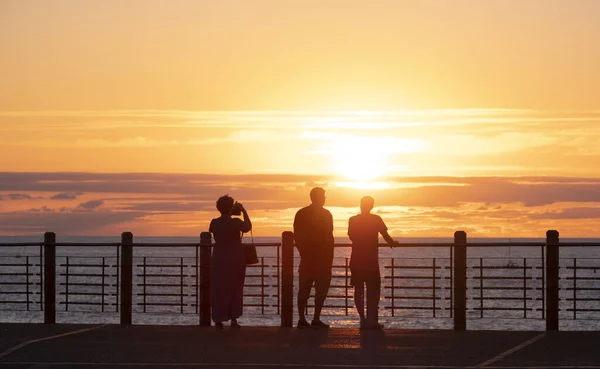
x=219, y=325
x=302, y=324
x=317, y=324
x=235, y=324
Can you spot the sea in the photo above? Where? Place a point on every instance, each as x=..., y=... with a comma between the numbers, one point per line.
x=505, y=288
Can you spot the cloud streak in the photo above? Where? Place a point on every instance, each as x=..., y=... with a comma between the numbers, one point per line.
x=182, y=203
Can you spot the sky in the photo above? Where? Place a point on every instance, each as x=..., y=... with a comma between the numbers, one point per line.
x=137, y=115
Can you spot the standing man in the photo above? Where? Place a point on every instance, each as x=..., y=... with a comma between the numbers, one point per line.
x=313, y=235
x=364, y=230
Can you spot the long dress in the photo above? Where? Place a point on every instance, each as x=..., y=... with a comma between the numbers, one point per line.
x=228, y=269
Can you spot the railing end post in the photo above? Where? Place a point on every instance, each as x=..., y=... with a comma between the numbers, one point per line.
x=552, y=279
x=460, y=281
x=287, y=279
x=460, y=237
x=205, y=279
x=552, y=235
x=126, y=277
x=49, y=237
x=49, y=277
x=126, y=237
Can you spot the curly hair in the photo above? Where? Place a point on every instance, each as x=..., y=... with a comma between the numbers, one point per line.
x=224, y=204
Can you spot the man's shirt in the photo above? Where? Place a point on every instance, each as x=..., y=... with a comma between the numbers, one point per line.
x=313, y=234
x=364, y=230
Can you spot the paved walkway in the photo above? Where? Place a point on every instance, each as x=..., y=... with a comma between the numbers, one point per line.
x=112, y=346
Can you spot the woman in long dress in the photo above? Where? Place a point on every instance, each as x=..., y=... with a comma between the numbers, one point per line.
x=228, y=269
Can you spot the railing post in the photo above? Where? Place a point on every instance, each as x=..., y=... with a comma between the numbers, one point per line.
x=460, y=281
x=552, y=277
x=205, y=256
x=126, y=277
x=287, y=279
x=49, y=278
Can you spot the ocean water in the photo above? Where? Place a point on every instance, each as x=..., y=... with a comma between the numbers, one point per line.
x=165, y=282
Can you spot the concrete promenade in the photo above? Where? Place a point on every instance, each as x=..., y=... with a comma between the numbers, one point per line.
x=112, y=346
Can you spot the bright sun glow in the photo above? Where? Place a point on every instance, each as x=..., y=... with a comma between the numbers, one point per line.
x=363, y=160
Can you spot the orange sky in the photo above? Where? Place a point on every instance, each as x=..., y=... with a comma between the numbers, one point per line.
x=475, y=115
x=299, y=54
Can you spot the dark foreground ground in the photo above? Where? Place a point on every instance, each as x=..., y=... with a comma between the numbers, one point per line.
x=76, y=346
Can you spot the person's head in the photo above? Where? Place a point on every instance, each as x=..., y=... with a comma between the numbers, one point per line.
x=366, y=204
x=317, y=196
x=224, y=204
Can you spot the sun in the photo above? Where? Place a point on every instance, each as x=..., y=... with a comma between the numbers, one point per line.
x=365, y=161
x=360, y=159
x=362, y=164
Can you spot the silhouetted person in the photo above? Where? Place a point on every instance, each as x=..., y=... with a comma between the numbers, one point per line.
x=364, y=230
x=228, y=269
x=313, y=235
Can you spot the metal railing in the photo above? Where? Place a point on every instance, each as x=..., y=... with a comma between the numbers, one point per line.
x=447, y=285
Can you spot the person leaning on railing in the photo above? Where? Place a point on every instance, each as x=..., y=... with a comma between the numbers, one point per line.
x=364, y=230
x=228, y=269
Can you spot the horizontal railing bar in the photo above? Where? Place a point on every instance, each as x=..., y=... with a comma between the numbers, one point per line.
x=579, y=244
x=495, y=298
x=437, y=278
x=506, y=288
x=82, y=275
x=415, y=288
x=503, y=309
x=426, y=298
x=581, y=310
x=503, y=267
x=73, y=265
x=503, y=278
x=87, y=303
x=21, y=244
x=420, y=277
x=86, y=294
x=437, y=308
x=19, y=302
x=261, y=244
x=164, y=266
x=422, y=267
x=88, y=244
x=437, y=298
x=477, y=288
x=87, y=284
x=583, y=299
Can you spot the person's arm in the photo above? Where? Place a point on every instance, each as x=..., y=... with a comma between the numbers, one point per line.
x=247, y=227
x=299, y=232
x=350, y=230
x=390, y=241
x=386, y=236
x=330, y=228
